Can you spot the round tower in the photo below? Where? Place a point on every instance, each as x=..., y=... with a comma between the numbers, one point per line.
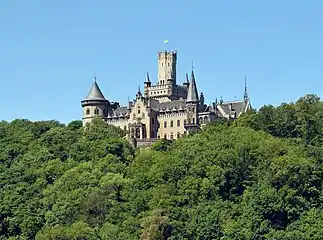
x=94, y=105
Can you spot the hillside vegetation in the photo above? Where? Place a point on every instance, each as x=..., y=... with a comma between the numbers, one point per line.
x=259, y=177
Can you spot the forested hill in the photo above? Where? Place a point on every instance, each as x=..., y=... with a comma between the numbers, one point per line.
x=259, y=177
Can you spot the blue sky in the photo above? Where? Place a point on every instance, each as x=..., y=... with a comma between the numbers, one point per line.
x=49, y=50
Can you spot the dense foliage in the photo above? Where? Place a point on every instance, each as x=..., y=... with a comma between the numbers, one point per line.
x=259, y=177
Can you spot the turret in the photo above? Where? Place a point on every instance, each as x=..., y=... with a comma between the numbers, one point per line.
x=147, y=85
x=187, y=82
x=94, y=105
x=139, y=94
x=192, y=106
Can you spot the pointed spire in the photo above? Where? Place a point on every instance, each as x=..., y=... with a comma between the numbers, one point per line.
x=95, y=92
x=192, y=95
x=147, y=78
x=245, y=96
x=139, y=90
x=187, y=78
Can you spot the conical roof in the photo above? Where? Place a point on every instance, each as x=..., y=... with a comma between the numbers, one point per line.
x=95, y=93
x=192, y=95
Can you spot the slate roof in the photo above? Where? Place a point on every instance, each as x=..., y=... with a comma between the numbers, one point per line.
x=192, y=95
x=95, y=93
x=175, y=104
x=121, y=111
x=237, y=106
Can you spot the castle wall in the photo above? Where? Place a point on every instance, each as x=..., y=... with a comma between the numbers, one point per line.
x=174, y=125
x=119, y=122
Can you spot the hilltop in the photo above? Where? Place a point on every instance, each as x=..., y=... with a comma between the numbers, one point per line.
x=258, y=177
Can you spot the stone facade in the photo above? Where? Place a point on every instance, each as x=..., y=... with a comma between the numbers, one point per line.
x=164, y=110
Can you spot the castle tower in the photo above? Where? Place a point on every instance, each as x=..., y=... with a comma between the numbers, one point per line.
x=167, y=67
x=94, y=105
x=192, y=106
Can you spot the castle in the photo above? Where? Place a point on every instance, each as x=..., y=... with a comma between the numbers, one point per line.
x=164, y=110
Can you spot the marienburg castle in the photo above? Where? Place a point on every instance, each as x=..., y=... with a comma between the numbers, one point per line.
x=163, y=110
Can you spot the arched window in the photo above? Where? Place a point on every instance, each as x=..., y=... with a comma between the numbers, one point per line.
x=206, y=119
x=137, y=133
x=87, y=112
x=132, y=133
x=165, y=136
x=165, y=124
x=171, y=123
x=96, y=111
x=201, y=120
x=138, y=109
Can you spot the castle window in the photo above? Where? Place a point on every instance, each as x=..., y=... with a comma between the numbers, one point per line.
x=132, y=133
x=165, y=136
x=171, y=123
x=178, y=135
x=138, y=111
x=143, y=115
x=171, y=136
x=87, y=112
x=96, y=111
x=193, y=120
x=206, y=119
x=165, y=124
x=178, y=123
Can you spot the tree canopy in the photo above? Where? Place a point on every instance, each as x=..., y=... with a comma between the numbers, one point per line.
x=259, y=177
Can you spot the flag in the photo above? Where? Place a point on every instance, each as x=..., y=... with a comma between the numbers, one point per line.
x=165, y=41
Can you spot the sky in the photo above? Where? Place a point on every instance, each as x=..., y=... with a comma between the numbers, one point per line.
x=50, y=50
